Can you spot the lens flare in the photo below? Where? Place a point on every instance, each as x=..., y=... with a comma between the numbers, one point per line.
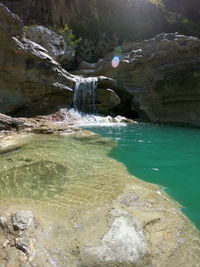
x=115, y=62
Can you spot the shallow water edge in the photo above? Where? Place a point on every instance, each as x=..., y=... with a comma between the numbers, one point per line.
x=92, y=198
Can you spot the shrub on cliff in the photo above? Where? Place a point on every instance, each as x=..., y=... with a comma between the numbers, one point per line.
x=68, y=34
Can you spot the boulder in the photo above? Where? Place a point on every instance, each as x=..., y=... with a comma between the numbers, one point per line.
x=106, y=82
x=106, y=99
x=22, y=220
x=56, y=45
x=123, y=243
x=31, y=82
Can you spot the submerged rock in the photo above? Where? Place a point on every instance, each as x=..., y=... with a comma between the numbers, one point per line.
x=102, y=216
x=22, y=220
x=124, y=243
x=18, y=234
x=45, y=179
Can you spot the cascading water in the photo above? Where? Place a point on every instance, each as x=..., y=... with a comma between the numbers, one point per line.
x=84, y=108
x=74, y=117
x=84, y=94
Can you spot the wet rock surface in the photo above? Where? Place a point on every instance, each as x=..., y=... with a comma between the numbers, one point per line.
x=101, y=217
x=9, y=123
x=22, y=220
x=17, y=233
x=62, y=121
x=124, y=243
x=145, y=234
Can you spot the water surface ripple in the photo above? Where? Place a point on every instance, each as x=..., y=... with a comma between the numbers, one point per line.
x=165, y=155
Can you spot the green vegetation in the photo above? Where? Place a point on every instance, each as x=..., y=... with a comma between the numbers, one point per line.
x=191, y=27
x=156, y=2
x=67, y=34
x=65, y=31
x=30, y=26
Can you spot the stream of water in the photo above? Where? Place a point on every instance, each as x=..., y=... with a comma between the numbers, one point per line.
x=165, y=155
x=84, y=94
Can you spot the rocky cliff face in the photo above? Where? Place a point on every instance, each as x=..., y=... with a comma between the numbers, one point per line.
x=158, y=78
x=101, y=24
x=188, y=8
x=107, y=23
x=163, y=76
x=90, y=18
x=54, y=43
x=30, y=80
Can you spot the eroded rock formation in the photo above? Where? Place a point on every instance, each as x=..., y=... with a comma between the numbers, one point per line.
x=19, y=245
x=101, y=24
x=104, y=24
x=30, y=80
x=8, y=123
x=58, y=48
x=162, y=74
x=158, y=78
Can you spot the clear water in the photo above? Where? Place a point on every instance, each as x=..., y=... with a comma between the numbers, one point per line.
x=59, y=173
x=165, y=155
x=71, y=185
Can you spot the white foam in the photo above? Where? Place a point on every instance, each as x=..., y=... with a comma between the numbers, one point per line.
x=83, y=119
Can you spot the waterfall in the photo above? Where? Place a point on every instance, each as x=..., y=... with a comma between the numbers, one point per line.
x=84, y=103
x=84, y=94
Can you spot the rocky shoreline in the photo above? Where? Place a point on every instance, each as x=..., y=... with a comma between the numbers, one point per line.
x=62, y=121
x=112, y=220
x=136, y=225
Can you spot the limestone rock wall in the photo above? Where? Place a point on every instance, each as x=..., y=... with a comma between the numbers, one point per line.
x=189, y=8
x=101, y=24
x=30, y=80
x=104, y=24
x=162, y=74
x=56, y=45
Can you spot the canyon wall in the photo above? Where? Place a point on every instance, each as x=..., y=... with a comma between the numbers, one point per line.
x=104, y=24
